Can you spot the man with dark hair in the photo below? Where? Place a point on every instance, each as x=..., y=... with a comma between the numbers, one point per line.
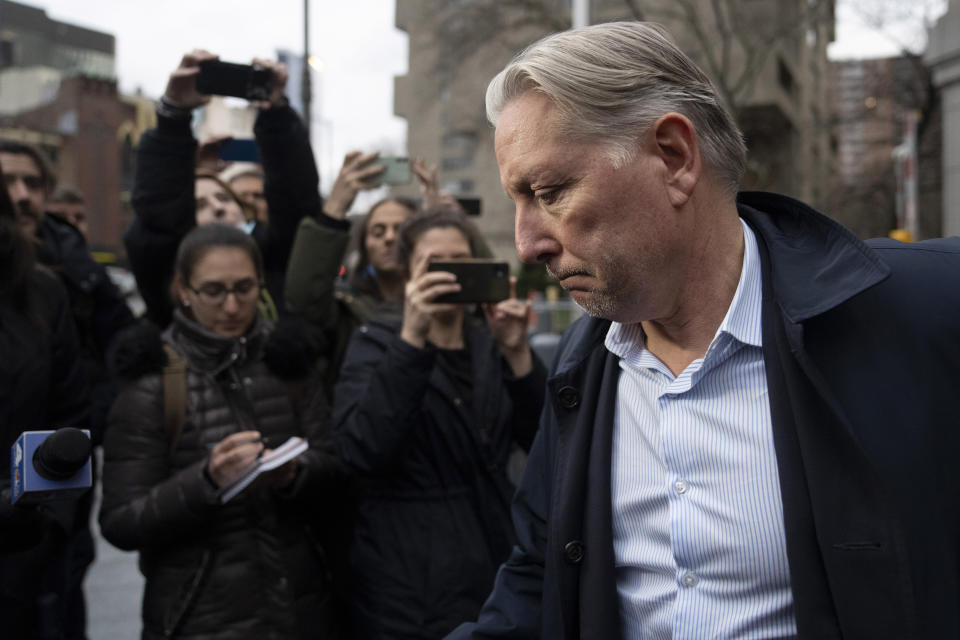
x=72, y=207
x=754, y=433
x=28, y=178
x=99, y=313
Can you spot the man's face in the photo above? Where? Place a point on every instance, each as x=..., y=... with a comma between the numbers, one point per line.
x=73, y=212
x=250, y=189
x=25, y=185
x=608, y=235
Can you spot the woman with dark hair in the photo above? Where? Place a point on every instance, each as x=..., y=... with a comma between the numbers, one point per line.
x=428, y=409
x=41, y=387
x=170, y=197
x=251, y=566
x=323, y=244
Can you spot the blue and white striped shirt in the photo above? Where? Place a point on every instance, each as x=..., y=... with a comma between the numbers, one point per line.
x=697, y=514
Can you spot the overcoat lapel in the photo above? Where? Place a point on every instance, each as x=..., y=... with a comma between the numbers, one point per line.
x=828, y=482
x=584, y=399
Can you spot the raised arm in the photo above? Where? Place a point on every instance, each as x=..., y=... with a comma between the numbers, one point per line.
x=163, y=199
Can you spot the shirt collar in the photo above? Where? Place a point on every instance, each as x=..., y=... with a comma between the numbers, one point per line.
x=742, y=320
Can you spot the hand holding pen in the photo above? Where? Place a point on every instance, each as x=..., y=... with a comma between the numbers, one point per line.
x=233, y=454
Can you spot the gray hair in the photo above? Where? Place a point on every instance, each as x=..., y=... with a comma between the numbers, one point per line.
x=610, y=82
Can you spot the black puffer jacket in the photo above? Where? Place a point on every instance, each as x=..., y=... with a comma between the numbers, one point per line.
x=250, y=568
x=435, y=522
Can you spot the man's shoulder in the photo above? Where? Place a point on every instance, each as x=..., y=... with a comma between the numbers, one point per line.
x=927, y=270
x=579, y=341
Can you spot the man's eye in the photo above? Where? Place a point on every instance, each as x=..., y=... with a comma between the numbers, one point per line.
x=32, y=182
x=547, y=196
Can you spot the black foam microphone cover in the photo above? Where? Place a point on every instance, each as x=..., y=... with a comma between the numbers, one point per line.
x=62, y=454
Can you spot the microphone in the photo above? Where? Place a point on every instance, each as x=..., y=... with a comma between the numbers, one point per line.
x=50, y=465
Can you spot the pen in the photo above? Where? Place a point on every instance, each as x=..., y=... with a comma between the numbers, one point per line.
x=264, y=440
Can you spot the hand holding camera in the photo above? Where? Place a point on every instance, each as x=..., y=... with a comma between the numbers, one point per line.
x=182, y=86
x=202, y=74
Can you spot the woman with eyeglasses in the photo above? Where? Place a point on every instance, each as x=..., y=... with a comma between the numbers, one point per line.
x=250, y=566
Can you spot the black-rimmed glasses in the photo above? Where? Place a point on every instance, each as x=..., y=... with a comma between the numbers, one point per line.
x=215, y=293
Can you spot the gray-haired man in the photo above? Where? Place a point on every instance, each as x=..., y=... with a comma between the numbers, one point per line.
x=754, y=436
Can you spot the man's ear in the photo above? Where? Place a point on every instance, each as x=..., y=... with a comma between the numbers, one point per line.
x=679, y=149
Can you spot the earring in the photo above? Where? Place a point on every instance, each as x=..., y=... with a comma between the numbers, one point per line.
x=185, y=302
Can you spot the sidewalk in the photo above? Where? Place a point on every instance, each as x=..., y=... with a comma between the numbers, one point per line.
x=114, y=587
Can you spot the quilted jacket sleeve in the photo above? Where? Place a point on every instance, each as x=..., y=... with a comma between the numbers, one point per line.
x=145, y=502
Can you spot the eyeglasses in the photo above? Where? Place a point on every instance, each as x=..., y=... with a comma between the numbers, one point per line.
x=215, y=293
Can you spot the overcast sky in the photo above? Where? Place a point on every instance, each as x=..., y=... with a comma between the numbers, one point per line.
x=359, y=46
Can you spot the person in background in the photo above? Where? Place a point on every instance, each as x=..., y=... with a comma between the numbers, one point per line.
x=99, y=313
x=72, y=207
x=42, y=386
x=428, y=408
x=323, y=248
x=246, y=180
x=169, y=200
x=252, y=567
x=754, y=432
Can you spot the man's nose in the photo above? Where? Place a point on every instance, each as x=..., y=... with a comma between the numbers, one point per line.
x=535, y=242
x=18, y=191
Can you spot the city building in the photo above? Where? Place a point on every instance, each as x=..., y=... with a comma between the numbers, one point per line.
x=943, y=56
x=58, y=91
x=886, y=127
x=768, y=59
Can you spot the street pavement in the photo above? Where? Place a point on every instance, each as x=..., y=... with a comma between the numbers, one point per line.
x=114, y=587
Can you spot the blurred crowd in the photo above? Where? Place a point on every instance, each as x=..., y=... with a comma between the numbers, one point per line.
x=269, y=315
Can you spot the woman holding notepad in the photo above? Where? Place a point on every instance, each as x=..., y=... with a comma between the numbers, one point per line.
x=215, y=461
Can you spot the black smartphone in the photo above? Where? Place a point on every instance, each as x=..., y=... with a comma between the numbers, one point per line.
x=252, y=82
x=480, y=280
x=240, y=150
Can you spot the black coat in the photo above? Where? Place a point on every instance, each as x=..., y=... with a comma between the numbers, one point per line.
x=861, y=346
x=41, y=387
x=435, y=521
x=98, y=309
x=250, y=568
x=163, y=200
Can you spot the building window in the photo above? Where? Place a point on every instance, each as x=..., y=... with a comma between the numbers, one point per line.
x=6, y=54
x=785, y=77
x=457, y=164
x=459, y=141
x=457, y=187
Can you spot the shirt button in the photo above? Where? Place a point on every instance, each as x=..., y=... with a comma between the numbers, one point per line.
x=680, y=486
x=457, y=401
x=690, y=579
